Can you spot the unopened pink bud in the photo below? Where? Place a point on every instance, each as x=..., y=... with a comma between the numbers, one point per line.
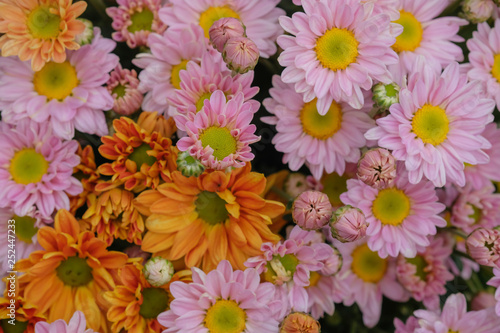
x=312, y=210
x=224, y=29
x=348, y=224
x=241, y=54
x=482, y=300
x=377, y=168
x=483, y=245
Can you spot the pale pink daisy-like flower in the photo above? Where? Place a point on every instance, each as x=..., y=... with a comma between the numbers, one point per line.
x=426, y=35
x=367, y=278
x=483, y=245
x=224, y=29
x=377, y=168
x=323, y=292
x=495, y=282
x=436, y=126
x=170, y=53
x=348, y=224
x=123, y=86
x=134, y=20
x=199, y=81
x=455, y=318
x=484, y=58
x=220, y=134
x=324, y=143
x=260, y=18
x=409, y=327
x=311, y=210
x=425, y=275
x=77, y=324
x=36, y=169
x=206, y=304
x=331, y=53
x=476, y=208
x=400, y=217
x=68, y=95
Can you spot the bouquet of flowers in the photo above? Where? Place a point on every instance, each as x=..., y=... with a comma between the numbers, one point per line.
x=260, y=166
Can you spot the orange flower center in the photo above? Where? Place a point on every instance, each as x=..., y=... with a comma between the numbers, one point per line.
x=74, y=272
x=154, y=302
x=43, y=24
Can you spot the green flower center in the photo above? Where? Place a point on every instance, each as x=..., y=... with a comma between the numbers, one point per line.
x=25, y=228
x=43, y=24
x=477, y=215
x=74, y=272
x=19, y=327
x=391, y=206
x=281, y=269
x=220, y=140
x=141, y=21
x=212, y=14
x=225, y=316
x=367, y=265
x=318, y=126
x=119, y=90
x=55, y=81
x=154, y=302
x=211, y=208
x=431, y=124
x=420, y=264
x=337, y=49
x=140, y=156
x=412, y=33
x=390, y=90
x=27, y=166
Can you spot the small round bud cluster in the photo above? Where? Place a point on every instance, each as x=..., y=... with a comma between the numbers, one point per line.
x=188, y=165
x=477, y=11
x=348, y=224
x=377, y=168
x=299, y=322
x=384, y=95
x=158, y=271
x=312, y=210
x=87, y=35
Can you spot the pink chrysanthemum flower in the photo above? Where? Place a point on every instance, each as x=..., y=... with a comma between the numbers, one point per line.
x=170, y=53
x=337, y=49
x=436, y=126
x=495, y=282
x=426, y=275
x=483, y=245
x=420, y=37
x=476, y=208
x=322, y=294
x=481, y=175
x=68, y=95
x=290, y=266
x=312, y=210
x=199, y=81
x=455, y=318
x=367, y=278
x=134, y=20
x=322, y=143
x=400, y=217
x=259, y=17
x=77, y=324
x=36, y=169
x=484, y=58
x=220, y=134
x=221, y=301
x=123, y=86
x=409, y=327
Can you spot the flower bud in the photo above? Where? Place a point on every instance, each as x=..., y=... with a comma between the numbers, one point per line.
x=384, y=95
x=483, y=245
x=224, y=29
x=377, y=168
x=299, y=322
x=482, y=300
x=188, y=165
x=87, y=35
x=348, y=224
x=295, y=183
x=241, y=54
x=312, y=210
x=158, y=271
x=477, y=11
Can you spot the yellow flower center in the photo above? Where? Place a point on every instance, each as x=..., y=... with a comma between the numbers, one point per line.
x=495, y=70
x=140, y=156
x=431, y=124
x=420, y=264
x=25, y=228
x=333, y=186
x=211, y=208
x=220, y=140
x=56, y=81
x=74, y=272
x=336, y=49
x=43, y=24
x=225, y=316
x=477, y=215
x=18, y=327
x=314, y=279
x=175, y=79
x=154, y=302
x=281, y=269
x=27, y=166
x=391, y=206
x=367, y=265
x=318, y=126
x=142, y=20
x=212, y=14
x=412, y=33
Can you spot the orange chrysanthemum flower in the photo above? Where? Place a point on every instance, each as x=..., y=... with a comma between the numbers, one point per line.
x=112, y=214
x=135, y=303
x=141, y=156
x=40, y=30
x=153, y=122
x=87, y=173
x=25, y=313
x=70, y=273
x=207, y=219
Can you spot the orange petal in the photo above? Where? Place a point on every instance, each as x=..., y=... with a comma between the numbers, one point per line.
x=154, y=242
x=66, y=222
x=164, y=224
